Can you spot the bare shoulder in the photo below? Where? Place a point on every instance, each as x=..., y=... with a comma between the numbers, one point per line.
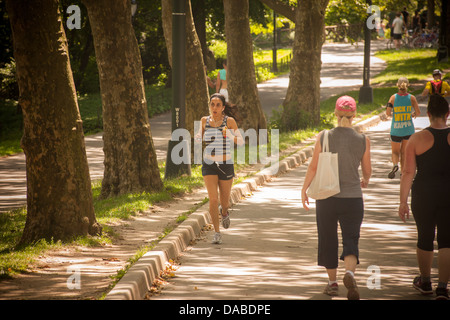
x=231, y=122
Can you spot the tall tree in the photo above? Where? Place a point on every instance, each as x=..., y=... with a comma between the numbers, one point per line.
x=197, y=95
x=242, y=85
x=444, y=32
x=59, y=195
x=130, y=158
x=302, y=102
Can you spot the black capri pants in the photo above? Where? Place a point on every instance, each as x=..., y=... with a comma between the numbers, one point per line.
x=431, y=211
x=349, y=213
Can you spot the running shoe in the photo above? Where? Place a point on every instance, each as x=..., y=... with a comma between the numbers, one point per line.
x=225, y=220
x=391, y=174
x=350, y=284
x=217, y=239
x=331, y=289
x=424, y=287
x=442, y=294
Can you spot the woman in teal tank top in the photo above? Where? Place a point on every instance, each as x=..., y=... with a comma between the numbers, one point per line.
x=221, y=83
x=403, y=107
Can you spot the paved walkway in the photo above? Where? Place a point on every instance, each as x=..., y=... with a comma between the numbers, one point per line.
x=341, y=71
x=270, y=249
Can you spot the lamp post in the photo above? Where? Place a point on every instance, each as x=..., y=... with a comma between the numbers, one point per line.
x=274, y=53
x=176, y=169
x=366, y=92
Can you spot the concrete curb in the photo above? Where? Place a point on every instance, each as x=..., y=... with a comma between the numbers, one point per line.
x=138, y=280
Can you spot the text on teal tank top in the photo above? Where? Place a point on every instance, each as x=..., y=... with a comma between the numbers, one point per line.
x=402, y=124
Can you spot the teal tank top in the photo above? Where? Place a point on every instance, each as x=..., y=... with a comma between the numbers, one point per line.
x=402, y=124
x=223, y=74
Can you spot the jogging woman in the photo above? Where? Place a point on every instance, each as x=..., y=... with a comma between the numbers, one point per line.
x=220, y=133
x=402, y=106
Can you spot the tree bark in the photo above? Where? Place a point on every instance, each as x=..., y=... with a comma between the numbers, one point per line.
x=302, y=101
x=242, y=87
x=130, y=159
x=431, y=18
x=59, y=194
x=197, y=94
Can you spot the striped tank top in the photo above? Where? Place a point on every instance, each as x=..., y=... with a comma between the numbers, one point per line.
x=216, y=143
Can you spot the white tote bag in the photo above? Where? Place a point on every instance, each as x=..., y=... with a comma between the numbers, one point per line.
x=326, y=181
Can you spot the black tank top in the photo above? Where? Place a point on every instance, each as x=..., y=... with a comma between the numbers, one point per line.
x=433, y=166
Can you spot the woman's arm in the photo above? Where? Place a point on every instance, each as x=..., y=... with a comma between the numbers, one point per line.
x=201, y=130
x=311, y=172
x=390, y=106
x=407, y=177
x=218, y=82
x=366, y=165
x=232, y=132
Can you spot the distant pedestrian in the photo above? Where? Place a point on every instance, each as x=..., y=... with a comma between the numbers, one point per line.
x=428, y=151
x=220, y=133
x=397, y=29
x=416, y=23
x=402, y=106
x=346, y=207
x=222, y=81
x=405, y=15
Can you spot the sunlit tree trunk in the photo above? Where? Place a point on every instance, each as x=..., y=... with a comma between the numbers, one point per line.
x=130, y=158
x=59, y=195
x=303, y=94
x=242, y=86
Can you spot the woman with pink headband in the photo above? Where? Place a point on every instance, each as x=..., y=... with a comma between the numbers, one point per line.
x=346, y=207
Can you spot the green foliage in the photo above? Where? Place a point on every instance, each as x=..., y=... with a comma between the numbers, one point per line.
x=415, y=64
x=289, y=119
x=8, y=84
x=345, y=11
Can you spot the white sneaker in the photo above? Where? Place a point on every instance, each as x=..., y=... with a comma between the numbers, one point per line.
x=225, y=220
x=217, y=239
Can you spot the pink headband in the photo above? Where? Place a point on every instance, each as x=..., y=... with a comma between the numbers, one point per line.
x=346, y=103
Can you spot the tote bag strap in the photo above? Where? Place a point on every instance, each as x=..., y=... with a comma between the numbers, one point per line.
x=325, y=146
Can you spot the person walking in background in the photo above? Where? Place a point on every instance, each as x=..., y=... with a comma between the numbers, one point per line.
x=436, y=86
x=428, y=151
x=402, y=106
x=222, y=83
x=220, y=133
x=397, y=29
x=416, y=23
x=346, y=207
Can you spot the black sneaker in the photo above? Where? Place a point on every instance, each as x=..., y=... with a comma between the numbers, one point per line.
x=424, y=287
x=391, y=175
x=442, y=294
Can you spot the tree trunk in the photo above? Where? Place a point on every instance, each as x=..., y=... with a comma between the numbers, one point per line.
x=130, y=159
x=242, y=87
x=302, y=102
x=197, y=94
x=444, y=33
x=431, y=18
x=59, y=194
x=199, y=16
